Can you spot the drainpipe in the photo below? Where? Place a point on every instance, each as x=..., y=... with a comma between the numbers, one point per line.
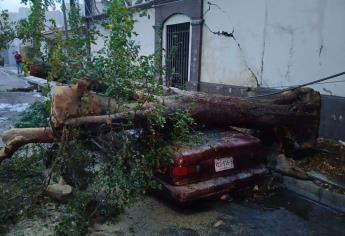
x=199, y=23
x=201, y=41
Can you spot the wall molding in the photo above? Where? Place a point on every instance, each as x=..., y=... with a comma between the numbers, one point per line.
x=194, y=10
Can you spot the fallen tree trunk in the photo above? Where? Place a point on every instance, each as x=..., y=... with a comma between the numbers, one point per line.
x=16, y=138
x=294, y=115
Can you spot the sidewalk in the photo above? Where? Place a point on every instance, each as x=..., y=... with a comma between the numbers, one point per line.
x=9, y=81
x=14, y=103
x=39, y=82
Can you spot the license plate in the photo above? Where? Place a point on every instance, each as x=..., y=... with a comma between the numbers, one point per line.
x=224, y=164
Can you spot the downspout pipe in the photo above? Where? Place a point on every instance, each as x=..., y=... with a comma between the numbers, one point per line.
x=201, y=42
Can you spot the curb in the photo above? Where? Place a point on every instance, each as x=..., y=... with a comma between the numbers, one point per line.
x=311, y=191
x=40, y=83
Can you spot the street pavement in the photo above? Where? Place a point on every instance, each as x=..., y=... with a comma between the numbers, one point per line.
x=13, y=104
x=281, y=214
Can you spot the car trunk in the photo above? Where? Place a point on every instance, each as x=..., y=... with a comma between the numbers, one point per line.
x=220, y=153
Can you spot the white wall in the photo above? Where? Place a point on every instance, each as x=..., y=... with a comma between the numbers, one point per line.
x=10, y=52
x=283, y=42
x=143, y=27
x=144, y=34
x=222, y=60
x=100, y=40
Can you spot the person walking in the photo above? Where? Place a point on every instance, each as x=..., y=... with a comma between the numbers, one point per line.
x=18, y=58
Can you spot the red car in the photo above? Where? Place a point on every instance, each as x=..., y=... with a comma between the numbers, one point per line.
x=226, y=160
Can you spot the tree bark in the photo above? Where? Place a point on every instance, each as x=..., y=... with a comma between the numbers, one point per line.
x=16, y=138
x=294, y=115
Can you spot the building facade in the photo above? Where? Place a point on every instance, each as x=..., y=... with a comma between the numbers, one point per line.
x=253, y=44
x=16, y=44
x=244, y=47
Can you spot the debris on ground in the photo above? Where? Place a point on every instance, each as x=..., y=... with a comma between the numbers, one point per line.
x=326, y=164
x=287, y=166
x=328, y=159
x=218, y=223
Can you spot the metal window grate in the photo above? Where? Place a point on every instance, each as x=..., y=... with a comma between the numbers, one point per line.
x=177, y=59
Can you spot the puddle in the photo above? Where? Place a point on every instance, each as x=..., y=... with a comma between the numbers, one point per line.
x=3, y=119
x=38, y=95
x=289, y=201
x=19, y=107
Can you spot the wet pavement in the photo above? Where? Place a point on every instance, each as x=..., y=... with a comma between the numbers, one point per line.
x=281, y=214
x=13, y=104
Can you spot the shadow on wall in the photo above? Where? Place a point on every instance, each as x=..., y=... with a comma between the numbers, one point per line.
x=332, y=117
x=332, y=124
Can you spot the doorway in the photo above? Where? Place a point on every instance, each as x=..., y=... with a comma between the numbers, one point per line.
x=177, y=54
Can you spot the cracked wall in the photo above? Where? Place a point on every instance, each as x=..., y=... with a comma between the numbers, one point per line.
x=223, y=61
x=282, y=43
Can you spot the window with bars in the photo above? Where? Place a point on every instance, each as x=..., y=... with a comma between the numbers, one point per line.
x=177, y=57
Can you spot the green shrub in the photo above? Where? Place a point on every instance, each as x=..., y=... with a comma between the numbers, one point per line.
x=21, y=180
x=36, y=116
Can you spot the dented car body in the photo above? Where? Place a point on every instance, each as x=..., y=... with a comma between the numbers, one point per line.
x=224, y=161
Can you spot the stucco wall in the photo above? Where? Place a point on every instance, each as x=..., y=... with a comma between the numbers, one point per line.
x=9, y=53
x=100, y=40
x=143, y=27
x=144, y=34
x=278, y=43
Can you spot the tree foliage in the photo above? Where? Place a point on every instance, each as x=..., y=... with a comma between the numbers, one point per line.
x=7, y=31
x=70, y=56
x=31, y=30
x=119, y=64
x=126, y=170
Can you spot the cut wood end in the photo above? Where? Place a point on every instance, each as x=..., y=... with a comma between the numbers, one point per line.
x=3, y=155
x=16, y=138
x=59, y=192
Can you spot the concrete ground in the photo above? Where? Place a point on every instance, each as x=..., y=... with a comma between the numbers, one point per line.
x=10, y=80
x=282, y=214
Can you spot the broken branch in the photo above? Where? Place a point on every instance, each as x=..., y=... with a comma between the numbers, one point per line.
x=16, y=138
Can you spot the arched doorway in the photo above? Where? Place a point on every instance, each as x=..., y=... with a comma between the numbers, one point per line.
x=177, y=50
